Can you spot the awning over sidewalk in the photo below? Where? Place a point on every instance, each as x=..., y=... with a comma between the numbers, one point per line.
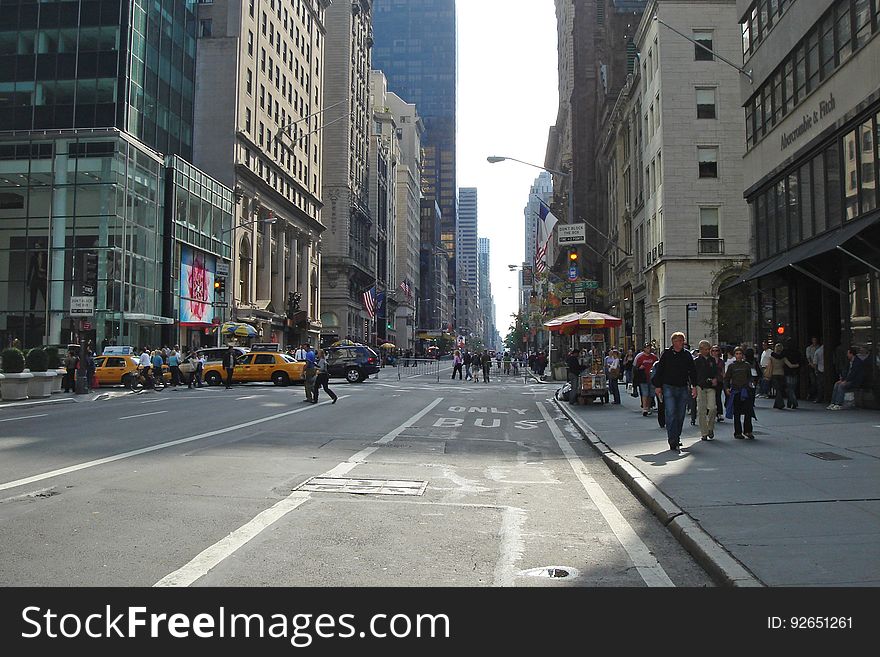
x=806, y=250
x=589, y=319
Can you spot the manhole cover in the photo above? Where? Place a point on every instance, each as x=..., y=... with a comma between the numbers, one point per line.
x=551, y=572
x=363, y=486
x=829, y=456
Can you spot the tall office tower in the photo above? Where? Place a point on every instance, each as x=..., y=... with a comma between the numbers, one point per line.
x=349, y=258
x=78, y=64
x=485, y=291
x=542, y=190
x=96, y=98
x=259, y=99
x=416, y=49
x=466, y=259
x=410, y=131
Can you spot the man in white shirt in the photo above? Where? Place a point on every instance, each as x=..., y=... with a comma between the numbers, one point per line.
x=765, y=363
x=144, y=361
x=810, y=353
x=301, y=352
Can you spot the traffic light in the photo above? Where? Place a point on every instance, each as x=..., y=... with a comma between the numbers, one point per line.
x=220, y=286
x=572, y=256
x=388, y=325
x=780, y=329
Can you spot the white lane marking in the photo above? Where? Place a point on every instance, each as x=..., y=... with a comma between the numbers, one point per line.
x=512, y=546
x=153, y=401
x=215, y=554
x=646, y=563
x=130, y=417
x=223, y=549
x=248, y=397
x=145, y=450
x=25, y=417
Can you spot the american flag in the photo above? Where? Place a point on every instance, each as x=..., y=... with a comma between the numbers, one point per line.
x=370, y=302
x=546, y=223
x=407, y=289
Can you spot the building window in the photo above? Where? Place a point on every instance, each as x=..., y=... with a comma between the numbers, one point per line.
x=709, y=229
x=706, y=104
x=703, y=46
x=250, y=45
x=851, y=175
x=868, y=176
x=249, y=83
x=205, y=28
x=247, y=121
x=708, y=161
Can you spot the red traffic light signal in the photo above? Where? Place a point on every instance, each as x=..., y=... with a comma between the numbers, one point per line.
x=780, y=329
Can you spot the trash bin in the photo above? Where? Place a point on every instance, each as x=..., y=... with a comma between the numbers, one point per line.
x=81, y=386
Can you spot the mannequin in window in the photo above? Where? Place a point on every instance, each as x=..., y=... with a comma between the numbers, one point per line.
x=37, y=272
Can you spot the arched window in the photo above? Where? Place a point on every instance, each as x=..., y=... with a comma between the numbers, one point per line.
x=244, y=270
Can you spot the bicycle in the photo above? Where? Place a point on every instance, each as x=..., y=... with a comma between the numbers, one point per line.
x=136, y=380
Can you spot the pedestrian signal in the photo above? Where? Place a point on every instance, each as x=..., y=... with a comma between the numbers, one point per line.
x=780, y=329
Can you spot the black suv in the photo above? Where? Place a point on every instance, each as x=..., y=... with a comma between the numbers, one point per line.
x=354, y=363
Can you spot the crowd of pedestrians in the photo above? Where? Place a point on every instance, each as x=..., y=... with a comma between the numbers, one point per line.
x=477, y=366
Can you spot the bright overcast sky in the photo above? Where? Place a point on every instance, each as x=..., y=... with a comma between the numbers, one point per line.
x=507, y=101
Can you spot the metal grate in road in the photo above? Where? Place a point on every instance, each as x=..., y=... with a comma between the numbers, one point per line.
x=829, y=456
x=363, y=486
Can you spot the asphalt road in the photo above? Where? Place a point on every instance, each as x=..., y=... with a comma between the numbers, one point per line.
x=420, y=484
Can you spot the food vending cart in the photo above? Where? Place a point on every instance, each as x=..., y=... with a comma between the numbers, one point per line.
x=586, y=331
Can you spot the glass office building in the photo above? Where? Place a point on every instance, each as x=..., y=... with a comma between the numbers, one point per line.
x=415, y=47
x=128, y=64
x=81, y=225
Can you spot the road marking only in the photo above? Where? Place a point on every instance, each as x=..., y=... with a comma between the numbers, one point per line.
x=145, y=450
x=646, y=563
x=226, y=547
x=26, y=417
x=131, y=417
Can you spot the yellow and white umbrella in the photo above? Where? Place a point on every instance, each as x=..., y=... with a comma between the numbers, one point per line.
x=238, y=329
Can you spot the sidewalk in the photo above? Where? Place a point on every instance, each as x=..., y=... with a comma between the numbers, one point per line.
x=797, y=506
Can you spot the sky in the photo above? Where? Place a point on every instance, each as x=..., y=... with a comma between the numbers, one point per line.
x=508, y=96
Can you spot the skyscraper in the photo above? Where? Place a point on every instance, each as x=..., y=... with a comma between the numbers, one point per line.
x=415, y=46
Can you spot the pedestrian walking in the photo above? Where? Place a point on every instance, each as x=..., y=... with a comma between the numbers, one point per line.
x=766, y=353
x=468, y=360
x=850, y=379
x=792, y=364
x=229, y=366
x=300, y=353
x=738, y=383
x=776, y=373
x=486, y=362
x=573, y=364
x=715, y=352
x=707, y=383
x=612, y=372
x=819, y=364
x=810, y=353
x=642, y=368
x=628, y=360
x=674, y=379
x=457, y=364
x=322, y=379
x=541, y=363
x=70, y=364
x=311, y=375
x=174, y=366
x=506, y=360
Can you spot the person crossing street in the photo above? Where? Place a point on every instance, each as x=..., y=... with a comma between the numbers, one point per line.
x=323, y=378
x=229, y=365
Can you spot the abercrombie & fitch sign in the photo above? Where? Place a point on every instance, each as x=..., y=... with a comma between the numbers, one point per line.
x=808, y=122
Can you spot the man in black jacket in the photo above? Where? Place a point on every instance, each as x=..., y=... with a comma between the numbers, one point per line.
x=574, y=374
x=675, y=379
x=229, y=365
x=707, y=383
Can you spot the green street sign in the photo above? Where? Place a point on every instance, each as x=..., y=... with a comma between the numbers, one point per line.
x=591, y=285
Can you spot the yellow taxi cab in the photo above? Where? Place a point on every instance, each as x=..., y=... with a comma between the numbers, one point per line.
x=259, y=366
x=112, y=370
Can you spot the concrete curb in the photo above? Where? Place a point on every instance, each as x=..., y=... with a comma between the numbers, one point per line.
x=722, y=566
x=77, y=399
x=41, y=402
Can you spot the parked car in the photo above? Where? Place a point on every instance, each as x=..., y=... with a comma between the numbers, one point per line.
x=258, y=366
x=352, y=363
x=215, y=354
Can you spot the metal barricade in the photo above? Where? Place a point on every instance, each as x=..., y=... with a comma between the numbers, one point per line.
x=410, y=368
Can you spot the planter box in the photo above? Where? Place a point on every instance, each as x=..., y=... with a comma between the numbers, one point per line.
x=41, y=385
x=59, y=379
x=560, y=373
x=14, y=387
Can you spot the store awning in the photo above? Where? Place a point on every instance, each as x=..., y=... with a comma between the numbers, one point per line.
x=586, y=320
x=817, y=246
x=140, y=318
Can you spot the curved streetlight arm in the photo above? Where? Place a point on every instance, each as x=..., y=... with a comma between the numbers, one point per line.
x=265, y=220
x=494, y=159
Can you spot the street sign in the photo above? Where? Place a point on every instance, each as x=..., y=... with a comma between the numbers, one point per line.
x=222, y=269
x=578, y=298
x=86, y=326
x=528, y=279
x=591, y=285
x=692, y=307
x=82, y=306
x=221, y=304
x=572, y=273
x=571, y=234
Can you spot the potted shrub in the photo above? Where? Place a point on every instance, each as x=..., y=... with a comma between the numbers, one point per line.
x=560, y=371
x=14, y=385
x=40, y=386
x=54, y=365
